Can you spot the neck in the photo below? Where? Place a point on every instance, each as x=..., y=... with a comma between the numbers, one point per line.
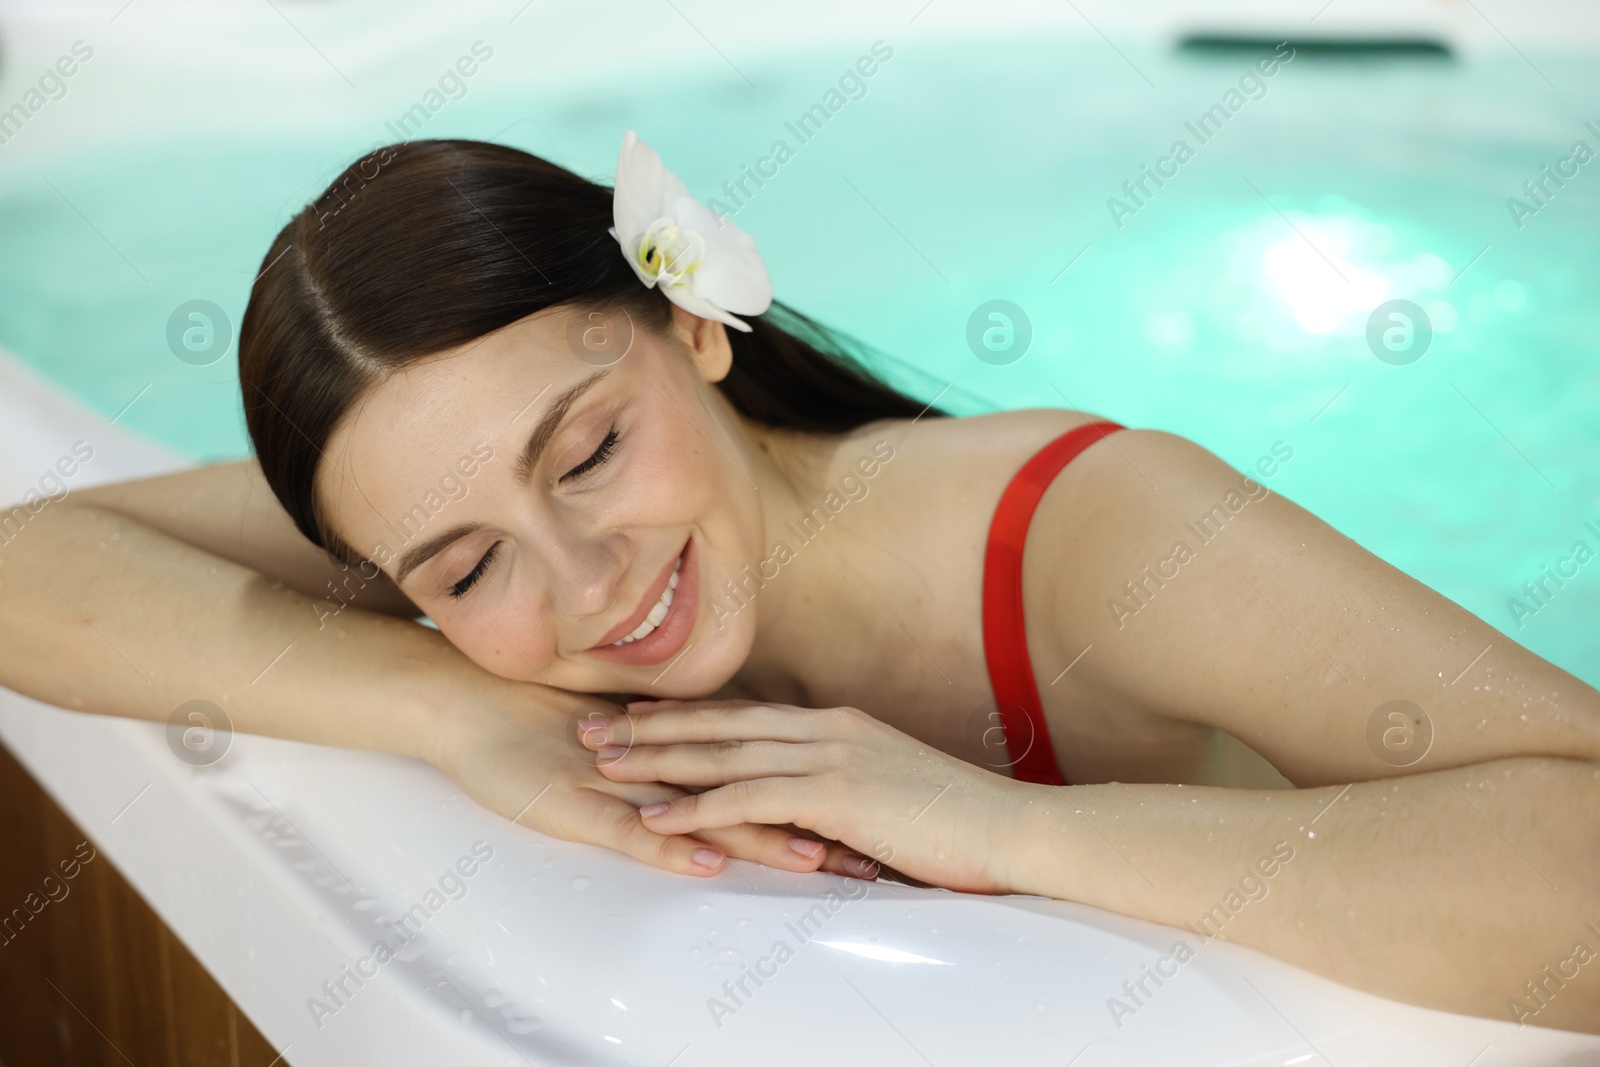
x=804, y=601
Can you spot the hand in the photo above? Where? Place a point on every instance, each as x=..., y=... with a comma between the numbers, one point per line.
x=836, y=771
x=516, y=755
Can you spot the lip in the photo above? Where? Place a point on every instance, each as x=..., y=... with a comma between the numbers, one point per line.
x=666, y=639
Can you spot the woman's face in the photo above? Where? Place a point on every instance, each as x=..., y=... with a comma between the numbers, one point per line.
x=536, y=505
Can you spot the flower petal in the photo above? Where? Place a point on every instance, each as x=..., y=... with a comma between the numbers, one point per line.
x=685, y=297
x=640, y=194
x=733, y=275
x=730, y=277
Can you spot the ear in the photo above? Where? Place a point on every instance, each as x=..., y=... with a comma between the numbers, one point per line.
x=706, y=341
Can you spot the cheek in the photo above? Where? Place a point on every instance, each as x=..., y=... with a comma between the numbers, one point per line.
x=703, y=482
x=672, y=475
x=502, y=639
x=683, y=480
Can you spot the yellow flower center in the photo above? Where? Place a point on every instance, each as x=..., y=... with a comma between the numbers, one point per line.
x=669, y=255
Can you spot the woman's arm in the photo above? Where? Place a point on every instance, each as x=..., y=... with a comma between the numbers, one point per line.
x=228, y=509
x=1454, y=889
x=1463, y=853
x=137, y=598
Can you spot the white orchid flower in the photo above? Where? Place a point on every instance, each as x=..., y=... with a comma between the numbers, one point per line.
x=677, y=244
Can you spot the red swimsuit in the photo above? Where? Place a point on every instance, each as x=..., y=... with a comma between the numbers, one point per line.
x=1005, y=634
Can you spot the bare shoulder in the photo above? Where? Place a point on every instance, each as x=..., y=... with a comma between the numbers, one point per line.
x=1118, y=525
x=1207, y=597
x=1120, y=485
x=954, y=468
x=974, y=445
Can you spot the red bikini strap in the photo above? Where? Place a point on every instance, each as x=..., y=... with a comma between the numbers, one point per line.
x=1005, y=632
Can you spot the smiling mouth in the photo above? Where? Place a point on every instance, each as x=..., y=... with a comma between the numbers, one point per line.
x=653, y=617
x=653, y=633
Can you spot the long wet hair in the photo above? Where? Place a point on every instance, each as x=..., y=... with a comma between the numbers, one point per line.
x=425, y=245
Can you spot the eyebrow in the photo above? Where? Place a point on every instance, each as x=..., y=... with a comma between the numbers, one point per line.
x=432, y=547
x=548, y=425
x=537, y=442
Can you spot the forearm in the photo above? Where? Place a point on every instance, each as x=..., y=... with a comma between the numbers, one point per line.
x=1398, y=887
x=101, y=612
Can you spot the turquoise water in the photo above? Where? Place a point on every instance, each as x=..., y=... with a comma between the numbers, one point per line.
x=1231, y=306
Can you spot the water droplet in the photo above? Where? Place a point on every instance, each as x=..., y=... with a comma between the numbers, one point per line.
x=728, y=955
x=524, y=1024
x=581, y=881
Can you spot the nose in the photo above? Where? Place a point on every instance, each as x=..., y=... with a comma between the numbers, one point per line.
x=587, y=576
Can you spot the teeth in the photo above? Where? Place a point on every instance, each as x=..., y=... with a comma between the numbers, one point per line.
x=657, y=613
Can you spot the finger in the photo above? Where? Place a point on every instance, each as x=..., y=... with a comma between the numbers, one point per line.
x=616, y=824
x=698, y=722
x=769, y=845
x=640, y=793
x=848, y=862
x=837, y=855
x=662, y=703
x=759, y=800
x=840, y=859
x=716, y=763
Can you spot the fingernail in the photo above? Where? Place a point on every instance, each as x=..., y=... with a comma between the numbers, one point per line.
x=613, y=752
x=860, y=867
x=657, y=809
x=806, y=847
x=596, y=733
x=637, y=703
x=706, y=857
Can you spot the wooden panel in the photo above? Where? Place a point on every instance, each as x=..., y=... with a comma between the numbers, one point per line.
x=89, y=975
x=249, y=1046
x=24, y=953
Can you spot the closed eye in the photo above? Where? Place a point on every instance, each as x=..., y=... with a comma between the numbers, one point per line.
x=459, y=589
x=600, y=455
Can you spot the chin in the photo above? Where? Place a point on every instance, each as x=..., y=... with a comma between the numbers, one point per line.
x=717, y=658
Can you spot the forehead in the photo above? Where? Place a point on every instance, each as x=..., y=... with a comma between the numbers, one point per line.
x=415, y=427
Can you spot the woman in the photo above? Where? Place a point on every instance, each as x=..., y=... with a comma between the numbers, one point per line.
x=501, y=396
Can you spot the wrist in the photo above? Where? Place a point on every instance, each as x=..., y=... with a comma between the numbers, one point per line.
x=1027, y=837
x=449, y=700
x=455, y=704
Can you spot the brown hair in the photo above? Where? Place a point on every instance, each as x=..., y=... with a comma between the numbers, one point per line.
x=425, y=245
